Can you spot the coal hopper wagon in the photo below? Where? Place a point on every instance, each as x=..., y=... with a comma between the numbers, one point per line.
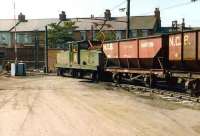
x=171, y=60
x=137, y=59
x=184, y=60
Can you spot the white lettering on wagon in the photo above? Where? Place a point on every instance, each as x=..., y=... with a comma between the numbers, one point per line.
x=147, y=45
x=108, y=46
x=187, y=40
x=175, y=41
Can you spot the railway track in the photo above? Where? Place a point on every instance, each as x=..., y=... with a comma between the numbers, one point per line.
x=165, y=94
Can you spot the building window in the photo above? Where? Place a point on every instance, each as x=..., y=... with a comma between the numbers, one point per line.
x=24, y=38
x=145, y=32
x=4, y=38
x=94, y=34
x=2, y=55
x=83, y=35
x=134, y=33
x=118, y=35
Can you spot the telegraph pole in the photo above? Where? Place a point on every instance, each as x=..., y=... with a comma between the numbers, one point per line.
x=128, y=19
x=46, y=50
x=15, y=33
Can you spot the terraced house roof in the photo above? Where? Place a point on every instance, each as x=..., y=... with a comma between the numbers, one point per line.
x=34, y=24
x=6, y=24
x=143, y=22
x=115, y=23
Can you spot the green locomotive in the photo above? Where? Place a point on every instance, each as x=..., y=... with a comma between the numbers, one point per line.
x=81, y=59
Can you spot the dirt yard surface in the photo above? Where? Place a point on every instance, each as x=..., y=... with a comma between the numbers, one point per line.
x=55, y=106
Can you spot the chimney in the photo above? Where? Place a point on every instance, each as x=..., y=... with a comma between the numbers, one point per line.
x=62, y=16
x=174, y=25
x=107, y=14
x=92, y=16
x=21, y=17
x=157, y=15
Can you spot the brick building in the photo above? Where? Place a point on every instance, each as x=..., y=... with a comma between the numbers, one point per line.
x=86, y=28
x=30, y=33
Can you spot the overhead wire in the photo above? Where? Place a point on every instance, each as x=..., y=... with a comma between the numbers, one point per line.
x=170, y=7
x=115, y=7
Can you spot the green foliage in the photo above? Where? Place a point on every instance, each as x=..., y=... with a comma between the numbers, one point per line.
x=106, y=36
x=60, y=34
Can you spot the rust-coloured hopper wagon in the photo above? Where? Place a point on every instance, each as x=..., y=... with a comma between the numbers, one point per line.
x=137, y=55
x=184, y=51
x=137, y=59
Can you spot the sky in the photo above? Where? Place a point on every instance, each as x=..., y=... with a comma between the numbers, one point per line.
x=170, y=9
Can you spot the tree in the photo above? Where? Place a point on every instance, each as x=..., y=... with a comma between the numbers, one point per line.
x=60, y=34
x=106, y=36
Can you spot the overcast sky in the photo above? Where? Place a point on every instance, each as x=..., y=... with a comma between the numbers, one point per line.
x=84, y=8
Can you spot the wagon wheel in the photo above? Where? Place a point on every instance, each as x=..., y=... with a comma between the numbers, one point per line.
x=194, y=88
x=116, y=78
x=148, y=81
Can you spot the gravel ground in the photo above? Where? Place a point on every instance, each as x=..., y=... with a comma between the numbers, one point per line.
x=56, y=106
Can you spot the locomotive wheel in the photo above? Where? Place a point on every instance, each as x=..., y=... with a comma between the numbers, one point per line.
x=72, y=73
x=79, y=74
x=95, y=76
x=60, y=72
x=76, y=74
